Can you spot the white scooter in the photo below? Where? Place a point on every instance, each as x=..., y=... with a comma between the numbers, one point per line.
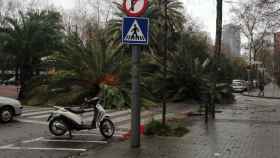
x=67, y=119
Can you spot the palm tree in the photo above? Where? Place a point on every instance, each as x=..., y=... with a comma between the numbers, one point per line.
x=30, y=37
x=86, y=66
x=88, y=62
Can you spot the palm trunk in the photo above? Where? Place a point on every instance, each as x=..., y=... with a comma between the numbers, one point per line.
x=3, y=73
x=26, y=73
x=17, y=73
x=22, y=82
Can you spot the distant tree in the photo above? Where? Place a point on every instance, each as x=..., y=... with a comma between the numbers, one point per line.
x=239, y=68
x=271, y=9
x=30, y=37
x=255, y=26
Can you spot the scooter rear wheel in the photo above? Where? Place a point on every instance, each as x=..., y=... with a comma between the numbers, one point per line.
x=58, y=127
x=107, y=128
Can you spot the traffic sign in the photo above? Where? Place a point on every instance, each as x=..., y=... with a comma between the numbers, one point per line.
x=135, y=7
x=135, y=30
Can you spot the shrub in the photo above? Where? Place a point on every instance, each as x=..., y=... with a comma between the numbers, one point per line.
x=180, y=131
x=174, y=128
x=157, y=128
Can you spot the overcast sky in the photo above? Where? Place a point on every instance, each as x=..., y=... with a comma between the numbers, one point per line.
x=203, y=11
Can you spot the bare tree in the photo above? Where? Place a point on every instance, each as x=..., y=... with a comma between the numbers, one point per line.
x=270, y=7
x=88, y=15
x=255, y=26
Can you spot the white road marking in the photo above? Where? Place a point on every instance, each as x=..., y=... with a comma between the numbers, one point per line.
x=117, y=117
x=55, y=149
x=124, y=118
x=96, y=134
x=6, y=146
x=117, y=113
x=112, y=114
x=33, y=140
x=33, y=121
x=36, y=113
x=73, y=141
x=40, y=116
x=35, y=110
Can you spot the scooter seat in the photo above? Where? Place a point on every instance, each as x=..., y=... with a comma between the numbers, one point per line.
x=76, y=110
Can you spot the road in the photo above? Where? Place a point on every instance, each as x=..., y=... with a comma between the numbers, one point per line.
x=28, y=136
x=248, y=127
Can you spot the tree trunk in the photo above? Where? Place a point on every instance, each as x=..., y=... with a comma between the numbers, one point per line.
x=22, y=82
x=26, y=73
x=206, y=112
x=219, y=27
x=3, y=73
x=38, y=71
x=17, y=73
x=218, y=43
x=165, y=65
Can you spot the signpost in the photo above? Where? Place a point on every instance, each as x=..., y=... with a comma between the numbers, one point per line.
x=135, y=32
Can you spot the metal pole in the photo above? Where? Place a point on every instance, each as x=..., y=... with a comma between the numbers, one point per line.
x=135, y=110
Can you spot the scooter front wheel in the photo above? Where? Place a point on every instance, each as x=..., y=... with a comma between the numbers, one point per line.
x=58, y=127
x=107, y=128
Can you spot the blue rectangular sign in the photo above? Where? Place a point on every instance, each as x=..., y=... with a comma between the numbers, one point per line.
x=135, y=30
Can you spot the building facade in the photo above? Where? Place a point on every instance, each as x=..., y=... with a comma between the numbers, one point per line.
x=231, y=40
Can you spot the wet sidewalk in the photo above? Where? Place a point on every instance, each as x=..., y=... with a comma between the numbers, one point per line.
x=271, y=90
x=248, y=129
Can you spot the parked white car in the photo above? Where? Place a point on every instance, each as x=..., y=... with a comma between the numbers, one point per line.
x=9, y=108
x=238, y=85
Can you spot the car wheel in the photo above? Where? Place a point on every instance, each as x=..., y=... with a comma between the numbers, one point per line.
x=6, y=115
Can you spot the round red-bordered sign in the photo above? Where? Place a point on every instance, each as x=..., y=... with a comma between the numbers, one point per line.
x=135, y=7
